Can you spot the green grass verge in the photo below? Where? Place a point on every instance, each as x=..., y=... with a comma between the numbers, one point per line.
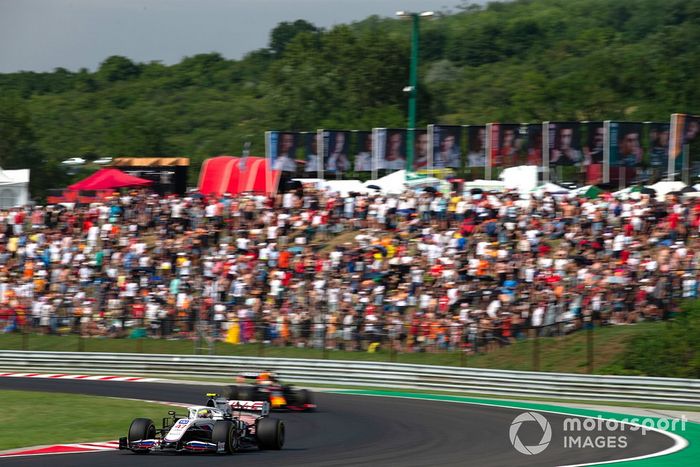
x=50, y=418
x=566, y=354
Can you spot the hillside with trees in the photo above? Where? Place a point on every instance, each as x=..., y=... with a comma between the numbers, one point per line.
x=521, y=61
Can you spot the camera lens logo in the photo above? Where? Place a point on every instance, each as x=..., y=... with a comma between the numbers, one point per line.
x=546, y=433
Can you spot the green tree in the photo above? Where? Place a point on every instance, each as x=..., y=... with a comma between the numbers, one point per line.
x=117, y=68
x=18, y=149
x=524, y=60
x=285, y=32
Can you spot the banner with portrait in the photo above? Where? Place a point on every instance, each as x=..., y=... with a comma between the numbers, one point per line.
x=505, y=144
x=420, y=149
x=594, y=147
x=476, y=155
x=564, y=144
x=685, y=130
x=311, y=152
x=379, y=137
x=594, y=141
x=534, y=144
x=281, y=148
x=625, y=144
x=336, y=148
x=659, y=135
x=447, y=146
x=363, y=151
x=394, y=154
x=623, y=151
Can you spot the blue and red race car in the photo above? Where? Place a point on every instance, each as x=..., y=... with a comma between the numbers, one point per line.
x=266, y=386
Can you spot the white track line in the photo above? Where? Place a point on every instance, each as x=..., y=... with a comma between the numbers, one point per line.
x=680, y=443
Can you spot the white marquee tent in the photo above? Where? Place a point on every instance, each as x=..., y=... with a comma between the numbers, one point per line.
x=664, y=187
x=14, y=188
x=392, y=184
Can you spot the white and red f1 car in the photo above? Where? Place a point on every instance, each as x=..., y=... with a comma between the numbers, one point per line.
x=221, y=426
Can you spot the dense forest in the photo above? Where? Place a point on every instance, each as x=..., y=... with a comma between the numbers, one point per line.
x=520, y=61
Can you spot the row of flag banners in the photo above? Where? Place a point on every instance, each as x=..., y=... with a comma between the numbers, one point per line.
x=596, y=146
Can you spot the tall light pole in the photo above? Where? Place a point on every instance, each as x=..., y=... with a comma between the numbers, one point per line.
x=412, y=88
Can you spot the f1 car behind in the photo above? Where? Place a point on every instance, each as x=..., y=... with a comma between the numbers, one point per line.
x=266, y=386
x=222, y=426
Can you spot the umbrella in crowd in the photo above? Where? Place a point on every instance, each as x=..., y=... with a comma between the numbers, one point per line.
x=593, y=192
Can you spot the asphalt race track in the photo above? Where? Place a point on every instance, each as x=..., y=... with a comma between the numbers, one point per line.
x=354, y=430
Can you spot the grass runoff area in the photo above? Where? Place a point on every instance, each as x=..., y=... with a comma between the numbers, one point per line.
x=555, y=354
x=51, y=418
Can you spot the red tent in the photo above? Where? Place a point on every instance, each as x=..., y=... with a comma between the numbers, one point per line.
x=227, y=174
x=107, y=179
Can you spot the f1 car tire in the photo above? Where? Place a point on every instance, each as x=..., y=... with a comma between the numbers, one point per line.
x=270, y=433
x=141, y=428
x=232, y=393
x=246, y=393
x=304, y=396
x=225, y=432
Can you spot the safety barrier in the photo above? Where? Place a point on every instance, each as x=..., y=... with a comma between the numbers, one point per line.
x=368, y=374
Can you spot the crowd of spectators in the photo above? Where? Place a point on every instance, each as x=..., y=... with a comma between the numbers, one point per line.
x=419, y=271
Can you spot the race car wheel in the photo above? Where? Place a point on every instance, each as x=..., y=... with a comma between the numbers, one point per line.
x=231, y=393
x=225, y=432
x=246, y=393
x=141, y=428
x=270, y=433
x=304, y=397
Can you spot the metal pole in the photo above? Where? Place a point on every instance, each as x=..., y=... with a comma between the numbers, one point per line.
x=589, y=341
x=139, y=340
x=536, y=351
x=261, y=336
x=413, y=83
x=25, y=335
x=462, y=347
x=685, y=168
x=324, y=320
x=197, y=333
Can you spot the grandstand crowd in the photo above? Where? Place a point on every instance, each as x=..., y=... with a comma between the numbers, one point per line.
x=420, y=271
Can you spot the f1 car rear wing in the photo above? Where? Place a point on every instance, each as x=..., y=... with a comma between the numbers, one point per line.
x=255, y=374
x=262, y=407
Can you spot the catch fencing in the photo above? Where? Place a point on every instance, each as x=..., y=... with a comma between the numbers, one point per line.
x=367, y=375
x=392, y=341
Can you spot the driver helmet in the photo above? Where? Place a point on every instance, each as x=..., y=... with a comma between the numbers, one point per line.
x=264, y=377
x=204, y=413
